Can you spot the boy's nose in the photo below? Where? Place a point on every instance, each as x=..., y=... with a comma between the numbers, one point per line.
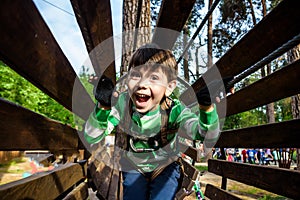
x=144, y=82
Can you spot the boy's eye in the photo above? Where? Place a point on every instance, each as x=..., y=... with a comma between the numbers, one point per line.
x=154, y=77
x=135, y=75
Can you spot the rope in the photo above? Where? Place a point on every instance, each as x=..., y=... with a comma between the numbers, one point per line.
x=55, y=6
x=137, y=24
x=275, y=54
x=213, y=6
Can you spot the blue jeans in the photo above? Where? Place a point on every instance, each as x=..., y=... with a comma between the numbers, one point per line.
x=164, y=186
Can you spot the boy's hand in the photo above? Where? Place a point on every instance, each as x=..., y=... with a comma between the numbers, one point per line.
x=103, y=91
x=210, y=93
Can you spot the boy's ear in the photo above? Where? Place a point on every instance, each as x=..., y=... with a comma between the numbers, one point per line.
x=170, y=88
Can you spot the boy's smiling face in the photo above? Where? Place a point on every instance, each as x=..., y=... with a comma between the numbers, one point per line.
x=148, y=86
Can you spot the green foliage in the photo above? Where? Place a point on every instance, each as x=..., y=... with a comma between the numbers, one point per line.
x=16, y=89
x=270, y=197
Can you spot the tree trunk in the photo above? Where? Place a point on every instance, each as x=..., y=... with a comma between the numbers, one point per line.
x=294, y=55
x=185, y=60
x=270, y=107
x=130, y=8
x=209, y=37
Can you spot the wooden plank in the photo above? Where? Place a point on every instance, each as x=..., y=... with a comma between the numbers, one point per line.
x=280, y=181
x=268, y=35
x=79, y=193
x=181, y=193
x=276, y=135
x=22, y=129
x=172, y=17
x=190, y=170
x=213, y=192
x=187, y=183
x=278, y=85
x=101, y=177
x=28, y=47
x=95, y=21
x=192, y=152
x=43, y=185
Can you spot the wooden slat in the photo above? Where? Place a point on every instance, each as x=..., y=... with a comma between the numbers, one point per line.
x=79, y=193
x=187, y=183
x=278, y=85
x=104, y=179
x=44, y=185
x=22, y=129
x=276, y=135
x=268, y=35
x=28, y=47
x=172, y=17
x=192, y=152
x=95, y=21
x=280, y=181
x=213, y=192
x=190, y=170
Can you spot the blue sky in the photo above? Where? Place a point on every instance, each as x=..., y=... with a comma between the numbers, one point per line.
x=61, y=20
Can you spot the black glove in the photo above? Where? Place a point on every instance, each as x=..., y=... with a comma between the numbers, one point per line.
x=207, y=95
x=103, y=91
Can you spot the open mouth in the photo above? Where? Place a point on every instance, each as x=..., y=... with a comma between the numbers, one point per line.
x=141, y=98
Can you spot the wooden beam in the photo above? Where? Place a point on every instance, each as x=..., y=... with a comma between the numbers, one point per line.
x=79, y=193
x=43, y=185
x=172, y=17
x=95, y=21
x=22, y=129
x=213, y=192
x=190, y=151
x=276, y=86
x=280, y=181
x=267, y=36
x=28, y=47
x=276, y=135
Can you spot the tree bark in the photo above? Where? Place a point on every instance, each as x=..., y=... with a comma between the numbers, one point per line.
x=130, y=8
x=294, y=55
x=209, y=37
x=185, y=60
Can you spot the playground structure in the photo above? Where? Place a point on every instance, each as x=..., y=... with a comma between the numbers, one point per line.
x=37, y=57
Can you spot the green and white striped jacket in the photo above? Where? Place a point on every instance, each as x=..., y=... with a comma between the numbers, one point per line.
x=203, y=126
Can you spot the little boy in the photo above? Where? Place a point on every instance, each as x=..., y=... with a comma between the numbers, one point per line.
x=147, y=122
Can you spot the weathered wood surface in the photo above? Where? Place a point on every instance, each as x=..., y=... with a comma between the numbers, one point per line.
x=79, y=193
x=280, y=181
x=28, y=47
x=190, y=170
x=172, y=17
x=95, y=21
x=43, y=185
x=104, y=179
x=276, y=135
x=213, y=192
x=268, y=35
x=22, y=129
x=278, y=85
x=190, y=151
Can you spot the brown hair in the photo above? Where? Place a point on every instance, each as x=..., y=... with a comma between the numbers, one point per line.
x=153, y=55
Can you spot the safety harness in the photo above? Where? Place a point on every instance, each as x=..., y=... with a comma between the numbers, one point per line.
x=126, y=141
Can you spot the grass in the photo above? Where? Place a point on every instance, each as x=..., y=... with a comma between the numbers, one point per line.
x=269, y=197
x=201, y=168
x=13, y=162
x=4, y=167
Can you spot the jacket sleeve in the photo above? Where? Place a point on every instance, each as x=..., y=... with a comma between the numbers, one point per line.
x=96, y=126
x=102, y=122
x=197, y=124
